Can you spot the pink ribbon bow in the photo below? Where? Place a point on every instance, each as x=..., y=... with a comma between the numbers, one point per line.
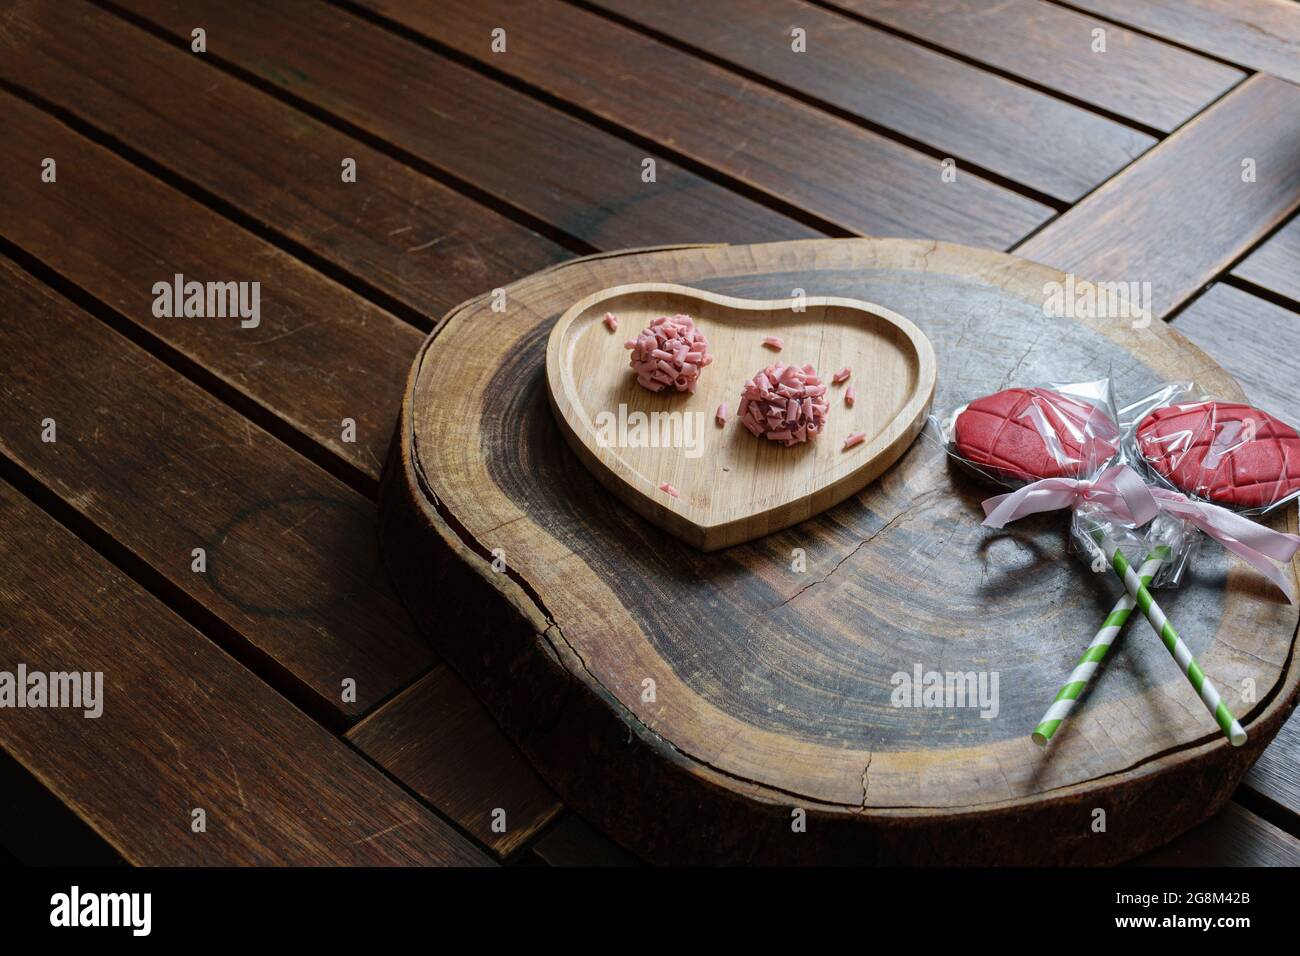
x=1252, y=542
x=1118, y=491
x=1125, y=498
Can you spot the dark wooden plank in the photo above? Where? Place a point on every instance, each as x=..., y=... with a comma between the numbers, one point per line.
x=834, y=169
x=321, y=354
x=438, y=740
x=1179, y=215
x=1234, y=837
x=1275, y=265
x=577, y=178
x=1261, y=34
x=1137, y=77
x=1059, y=150
x=1277, y=773
x=1259, y=343
x=574, y=842
x=182, y=727
x=162, y=468
x=1256, y=341
x=36, y=828
x=401, y=232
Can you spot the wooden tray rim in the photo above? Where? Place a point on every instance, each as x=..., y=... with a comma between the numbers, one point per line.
x=678, y=515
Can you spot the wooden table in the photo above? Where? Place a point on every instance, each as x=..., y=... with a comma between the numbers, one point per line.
x=201, y=528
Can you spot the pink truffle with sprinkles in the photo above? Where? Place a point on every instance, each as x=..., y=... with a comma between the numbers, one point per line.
x=671, y=353
x=784, y=403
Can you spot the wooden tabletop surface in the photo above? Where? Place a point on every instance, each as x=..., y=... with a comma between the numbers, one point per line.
x=187, y=505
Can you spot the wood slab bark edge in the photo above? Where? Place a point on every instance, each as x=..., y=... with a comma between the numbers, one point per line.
x=626, y=779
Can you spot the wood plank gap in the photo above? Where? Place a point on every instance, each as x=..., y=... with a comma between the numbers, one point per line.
x=816, y=102
x=933, y=47
x=402, y=785
x=201, y=195
x=1282, y=817
x=1273, y=265
x=391, y=150
x=445, y=745
x=281, y=782
x=39, y=829
x=1263, y=292
x=1133, y=28
x=1233, y=837
x=1268, y=295
x=359, y=481
x=1119, y=172
x=571, y=841
x=1257, y=117
x=718, y=178
x=229, y=640
x=199, y=616
x=851, y=10
x=1245, y=285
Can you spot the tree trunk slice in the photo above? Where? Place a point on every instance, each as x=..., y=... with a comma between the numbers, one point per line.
x=772, y=688
x=734, y=487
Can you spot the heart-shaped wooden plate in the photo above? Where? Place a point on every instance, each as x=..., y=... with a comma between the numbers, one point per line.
x=733, y=486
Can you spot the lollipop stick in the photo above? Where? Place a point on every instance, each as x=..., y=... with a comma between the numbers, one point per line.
x=1177, y=649
x=1096, y=652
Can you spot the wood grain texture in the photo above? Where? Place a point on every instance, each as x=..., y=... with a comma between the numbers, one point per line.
x=404, y=233
x=1275, y=265
x=1235, y=837
x=733, y=487
x=1182, y=213
x=1261, y=34
x=833, y=169
x=772, y=688
x=38, y=829
x=1137, y=77
x=1277, y=772
x=579, y=179
x=1255, y=341
x=1028, y=137
x=320, y=355
x=183, y=727
x=439, y=741
x=163, y=468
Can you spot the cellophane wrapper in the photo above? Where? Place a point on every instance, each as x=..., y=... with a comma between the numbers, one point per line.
x=1178, y=536
x=1207, y=443
x=1074, y=431
x=1074, y=436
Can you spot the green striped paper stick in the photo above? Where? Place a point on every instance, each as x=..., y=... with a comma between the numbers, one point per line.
x=1180, y=652
x=1096, y=652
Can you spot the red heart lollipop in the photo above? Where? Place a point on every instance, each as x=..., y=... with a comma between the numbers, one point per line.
x=1024, y=434
x=1224, y=451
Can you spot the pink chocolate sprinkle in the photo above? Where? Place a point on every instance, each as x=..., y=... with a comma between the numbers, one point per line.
x=669, y=354
x=720, y=416
x=611, y=321
x=670, y=489
x=784, y=403
x=857, y=438
x=774, y=343
x=842, y=375
x=850, y=396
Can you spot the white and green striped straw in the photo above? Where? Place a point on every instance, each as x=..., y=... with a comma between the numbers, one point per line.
x=1180, y=652
x=1096, y=652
